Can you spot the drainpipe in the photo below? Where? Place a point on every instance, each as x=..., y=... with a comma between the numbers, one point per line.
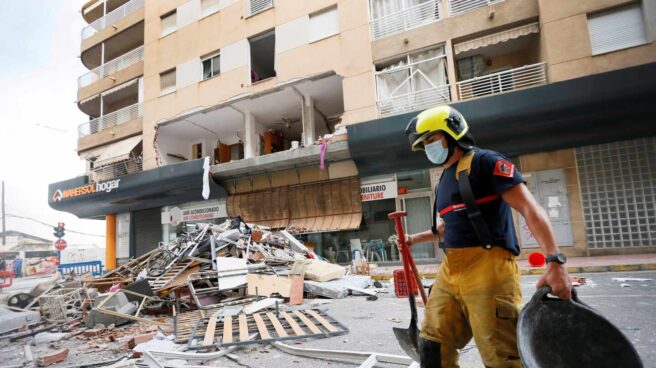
x=110, y=242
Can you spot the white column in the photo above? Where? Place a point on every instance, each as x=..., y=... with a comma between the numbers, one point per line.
x=251, y=138
x=140, y=97
x=307, y=117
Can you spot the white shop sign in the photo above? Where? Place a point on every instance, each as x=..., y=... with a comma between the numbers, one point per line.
x=378, y=191
x=197, y=212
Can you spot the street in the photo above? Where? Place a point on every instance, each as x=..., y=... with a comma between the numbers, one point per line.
x=631, y=308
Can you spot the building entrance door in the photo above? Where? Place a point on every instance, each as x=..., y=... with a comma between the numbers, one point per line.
x=419, y=208
x=549, y=187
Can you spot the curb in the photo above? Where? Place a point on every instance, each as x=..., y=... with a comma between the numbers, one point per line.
x=540, y=271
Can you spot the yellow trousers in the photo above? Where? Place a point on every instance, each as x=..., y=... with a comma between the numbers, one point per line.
x=477, y=293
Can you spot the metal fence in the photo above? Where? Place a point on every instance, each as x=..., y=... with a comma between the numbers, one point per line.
x=112, y=119
x=508, y=80
x=111, y=67
x=257, y=6
x=111, y=18
x=462, y=6
x=408, y=18
x=414, y=100
x=116, y=169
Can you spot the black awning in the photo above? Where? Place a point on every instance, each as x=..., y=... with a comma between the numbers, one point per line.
x=600, y=108
x=162, y=186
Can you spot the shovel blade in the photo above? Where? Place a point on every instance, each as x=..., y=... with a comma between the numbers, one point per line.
x=408, y=340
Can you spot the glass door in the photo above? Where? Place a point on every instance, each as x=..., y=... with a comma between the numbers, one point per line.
x=418, y=207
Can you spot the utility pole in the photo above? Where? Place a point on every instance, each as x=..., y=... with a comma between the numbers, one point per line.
x=4, y=236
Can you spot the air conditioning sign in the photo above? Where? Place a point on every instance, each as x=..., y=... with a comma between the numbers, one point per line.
x=378, y=191
x=103, y=186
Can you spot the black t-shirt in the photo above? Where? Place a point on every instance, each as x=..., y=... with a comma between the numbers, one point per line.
x=491, y=174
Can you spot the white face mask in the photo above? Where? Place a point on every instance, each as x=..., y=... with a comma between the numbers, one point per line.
x=436, y=153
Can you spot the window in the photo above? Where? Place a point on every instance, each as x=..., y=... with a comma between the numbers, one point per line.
x=167, y=81
x=197, y=151
x=168, y=23
x=263, y=56
x=208, y=7
x=324, y=23
x=211, y=66
x=616, y=29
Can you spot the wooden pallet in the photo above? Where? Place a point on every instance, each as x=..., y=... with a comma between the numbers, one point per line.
x=185, y=323
x=160, y=282
x=287, y=325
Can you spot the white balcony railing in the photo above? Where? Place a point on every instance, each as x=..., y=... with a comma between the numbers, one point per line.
x=111, y=18
x=411, y=17
x=462, y=6
x=414, y=100
x=111, y=67
x=116, y=169
x=508, y=80
x=258, y=6
x=112, y=119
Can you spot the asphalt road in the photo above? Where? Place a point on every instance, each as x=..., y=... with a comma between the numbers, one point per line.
x=631, y=308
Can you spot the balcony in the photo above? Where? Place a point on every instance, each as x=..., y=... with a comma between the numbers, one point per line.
x=113, y=119
x=116, y=169
x=413, y=82
x=112, y=17
x=409, y=17
x=462, y=6
x=505, y=81
x=111, y=67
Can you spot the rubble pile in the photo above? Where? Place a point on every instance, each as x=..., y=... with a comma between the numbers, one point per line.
x=213, y=288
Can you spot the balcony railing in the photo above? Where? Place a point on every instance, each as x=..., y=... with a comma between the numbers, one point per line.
x=111, y=18
x=116, y=169
x=408, y=18
x=462, y=6
x=508, y=80
x=258, y=6
x=412, y=101
x=111, y=67
x=112, y=119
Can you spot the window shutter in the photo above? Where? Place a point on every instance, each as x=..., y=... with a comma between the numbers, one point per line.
x=256, y=6
x=168, y=23
x=324, y=24
x=616, y=29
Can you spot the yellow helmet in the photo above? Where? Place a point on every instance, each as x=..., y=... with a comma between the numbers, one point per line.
x=441, y=118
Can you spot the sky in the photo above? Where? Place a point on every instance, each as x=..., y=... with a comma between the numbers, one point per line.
x=39, y=67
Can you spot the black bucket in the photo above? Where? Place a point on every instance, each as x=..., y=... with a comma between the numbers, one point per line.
x=556, y=333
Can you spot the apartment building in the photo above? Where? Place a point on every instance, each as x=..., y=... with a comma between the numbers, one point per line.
x=203, y=109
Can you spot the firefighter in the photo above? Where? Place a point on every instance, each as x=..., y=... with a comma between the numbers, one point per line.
x=477, y=290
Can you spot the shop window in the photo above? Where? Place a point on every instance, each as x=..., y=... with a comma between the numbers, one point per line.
x=167, y=81
x=413, y=181
x=263, y=56
x=197, y=151
x=323, y=24
x=211, y=66
x=168, y=23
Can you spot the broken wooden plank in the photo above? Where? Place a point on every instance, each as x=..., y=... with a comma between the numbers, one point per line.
x=243, y=328
x=294, y=325
x=261, y=327
x=307, y=322
x=265, y=285
x=322, y=320
x=277, y=325
x=227, y=330
x=209, y=332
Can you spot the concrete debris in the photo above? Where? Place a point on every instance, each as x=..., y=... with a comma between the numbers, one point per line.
x=262, y=304
x=160, y=342
x=48, y=337
x=52, y=358
x=625, y=285
x=14, y=318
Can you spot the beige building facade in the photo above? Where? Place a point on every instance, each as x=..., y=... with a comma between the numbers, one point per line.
x=266, y=89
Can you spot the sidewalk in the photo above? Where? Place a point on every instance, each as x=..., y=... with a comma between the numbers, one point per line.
x=633, y=262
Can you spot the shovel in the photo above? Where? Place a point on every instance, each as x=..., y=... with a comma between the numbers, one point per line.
x=408, y=338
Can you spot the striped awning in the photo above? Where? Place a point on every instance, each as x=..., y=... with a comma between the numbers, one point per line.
x=496, y=38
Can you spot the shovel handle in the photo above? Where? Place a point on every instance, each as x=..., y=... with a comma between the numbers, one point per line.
x=409, y=265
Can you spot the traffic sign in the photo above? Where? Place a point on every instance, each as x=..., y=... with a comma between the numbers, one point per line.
x=60, y=244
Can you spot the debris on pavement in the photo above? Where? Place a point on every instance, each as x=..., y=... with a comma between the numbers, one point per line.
x=52, y=358
x=626, y=279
